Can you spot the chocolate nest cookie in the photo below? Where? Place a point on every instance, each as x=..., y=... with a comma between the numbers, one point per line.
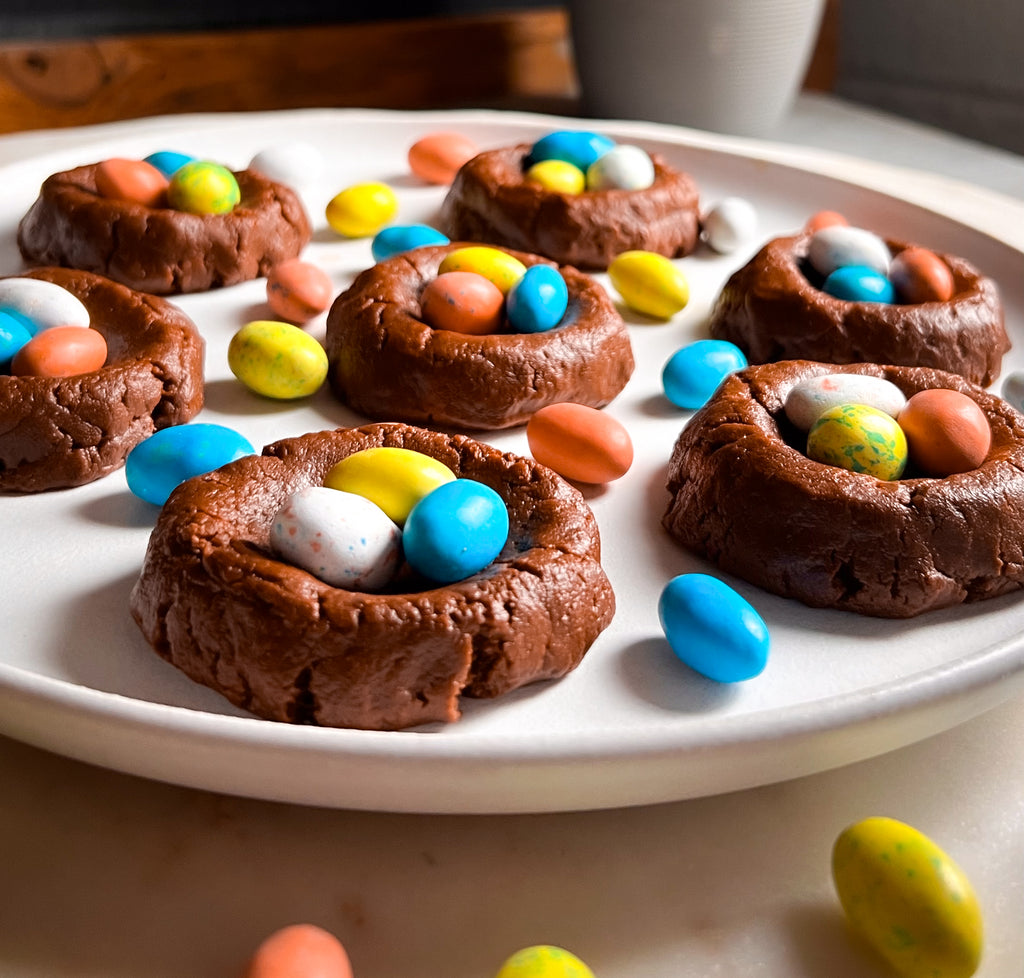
x=388, y=364
x=57, y=432
x=746, y=497
x=277, y=641
x=773, y=309
x=490, y=200
x=158, y=249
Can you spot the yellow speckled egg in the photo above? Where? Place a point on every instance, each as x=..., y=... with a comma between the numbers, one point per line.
x=201, y=187
x=544, y=961
x=558, y=176
x=859, y=438
x=498, y=266
x=361, y=210
x=907, y=899
x=277, y=360
x=396, y=479
x=649, y=283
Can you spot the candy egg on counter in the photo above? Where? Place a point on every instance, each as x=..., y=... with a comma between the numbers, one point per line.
x=345, y=540
x=498, y=266
x=809, y=399
x=396, y=479
x=299, y=951
x=543, y=961
x=298, y=290
x=692, y=374
x=729, y=224
x=292, y=163
x=557, y=176
x=455, y=531
x=397, y=238
x=201, y=187
x=578, y=147
x=1013, y=389
x=713, y=629
x=858, y=283
x=437, y=157
x=42, y=304
x=580, y=442
x=649, y=283
x=838, y=245
x=167, y=161
x=13, y=336
x=538, y=301
x=169, y=456
x=825, y=219
x=277, y=360
x=908, y=899
x=859, y=438
x=61, y=351
x=134, y=180
x=946, y=432
x=920, y=275
x=623, y=167
x=360, y=211
x=463, y=302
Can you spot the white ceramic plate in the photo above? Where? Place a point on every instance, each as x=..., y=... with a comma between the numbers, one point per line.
x=631, y=725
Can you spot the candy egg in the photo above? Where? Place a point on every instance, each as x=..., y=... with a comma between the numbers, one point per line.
x=498, y=266
x=623, y=167
x=277, y=360
x=297, y=291
x=807, y=400
x=201, y=187
x=404, y=237
x=437, y=157
x=396, y=479
x=544, y=961
x=291, y=163
x=859, y=438
x=838, y=245
x=729, y=224
x=578, y=147
x=455, y=531
x=42, y=304
x=557, y=176
x=361, y=210
x=692, y=374
x=920, y=275
x=169, y=456
x=947, y=432
x=1013, y=389
x=580, y=442
x=168, y=162
x=649, y=283
x=463, y=302
x=300, y=951
x=63, y=351
x=713, y=629
x=825, y=219
x=344, y=539
x=538, y=301
x=858, y=283
x=13, y=336
x=133, y=180
x=908, y=899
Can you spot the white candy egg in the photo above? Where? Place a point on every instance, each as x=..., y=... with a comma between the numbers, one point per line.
x=837, y=246
x=729, y=224
x=44, y=303
x=623, y=167
x=293, y=164
x=812, y=397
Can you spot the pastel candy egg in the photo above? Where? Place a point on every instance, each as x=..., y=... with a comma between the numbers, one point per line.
x=692, y=374
x=858, y=283
x=42, y=304
x=908, y=899
x=947, y=432
x=838, y=245
x=578, y=147
x=455, y=531
x=920, y=275
x=623, y=167
x=345, y=540
x=543, y=961
x=463, y=302
x=437, y=157
x=396, y=479
x=134, y=180
x=168, y=162
x=825, y=219
x=63, y=351
x=729, y=223
x=580, y=442
x=713, y=629
x=500, y=267
x=1013, y=389
x=277, y=360
x=649, y=283
x=538, y=301
x=557, y=176
x=809, y=399
x=169, y=456
x=291, y=163
x=201, y=187
x=297, y=290
x=398, y=238
x=13, y=336
x=361, y=210
x=299, y=951
x=859, y=438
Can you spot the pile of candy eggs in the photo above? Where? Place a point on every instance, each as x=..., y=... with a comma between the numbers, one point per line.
x=571, y=161
x=170, y=179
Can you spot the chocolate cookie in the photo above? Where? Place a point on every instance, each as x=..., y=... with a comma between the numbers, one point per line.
x=773, y=309
x=65, y=431
x=745, y=496
x=490, y=200
x=279, y=642
x=158, y=249
x=388, y=364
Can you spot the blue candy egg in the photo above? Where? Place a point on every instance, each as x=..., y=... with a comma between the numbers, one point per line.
x=693, y=373
x=578, y=147
x=168, y=162
x=537, y=302
x=858, y=283
x=14, y=334
x=397, y=238
x=455, y=531
x=172, y=455
x=713, y=629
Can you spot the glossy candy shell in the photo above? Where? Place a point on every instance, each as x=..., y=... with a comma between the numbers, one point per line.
x=693, y=373
x=277, y=360
x=580, y=443
x=538, y=301
x=394, y=240
x=300, y=951
x=649, y=283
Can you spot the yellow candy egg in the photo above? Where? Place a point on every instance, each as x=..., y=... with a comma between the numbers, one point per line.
x=498, y=266
x=201, y=187
x=544, y=961
x=649, y=283
x=859, y=438
x=558, y=176
x=396, y=479
x=907, y=899
x=361, y=210
x=277, y=360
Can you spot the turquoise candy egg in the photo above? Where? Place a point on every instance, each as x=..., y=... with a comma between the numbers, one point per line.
x=455, y=531
x=859, y=438
x=397, y=238
x=581, y=148
x=172, y=455
x=693, y=373
x=537, y=302
x=201, y=187
x=713, y=629
x=168, y=162
x=858, y=283
x=13, y=336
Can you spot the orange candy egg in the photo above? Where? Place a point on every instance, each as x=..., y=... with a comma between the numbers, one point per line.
x=63, y=351
x=297, y=291
x=300, y=951
x=825, y=219
x=436, y=158
x=580, y=443
x=920, y=275
x=133, y=180
x=946, y=432
x=463, y=302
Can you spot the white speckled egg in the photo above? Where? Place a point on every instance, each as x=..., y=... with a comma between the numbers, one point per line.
x=293, y=164
x=813, y=396
x=45, y=304
x=729, y=224
x=837, y=246
x=623, y=167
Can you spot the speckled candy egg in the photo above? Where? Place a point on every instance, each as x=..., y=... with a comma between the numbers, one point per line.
x=729, y=224
x=277, y=360
x=920, y=275
x=623, y=167
x=838, y=245
x=41, y=305
x=692, y=374
x=859, y=438
x=398, y=238
x=297, y=291
x=544, y=961
x=811, y=397
x=947, y=432
x=300, y=951
x=463, y=302
x=538, y=301
x=201, y=187
x=438, y=156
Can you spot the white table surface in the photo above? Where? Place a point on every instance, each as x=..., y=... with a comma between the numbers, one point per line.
x=103, y=874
